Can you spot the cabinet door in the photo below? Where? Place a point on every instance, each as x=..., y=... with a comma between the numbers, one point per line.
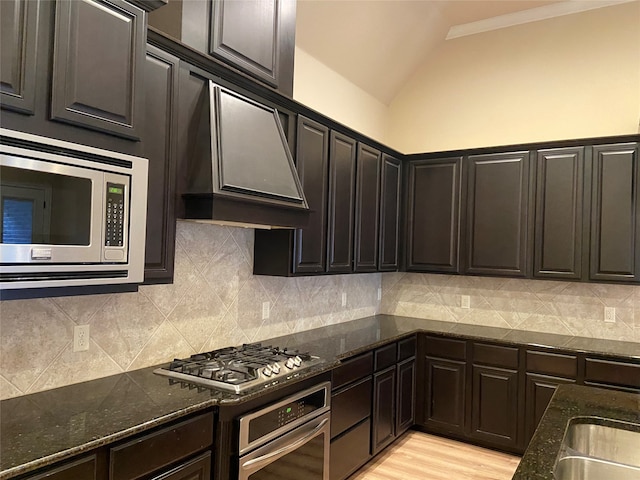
x=559, y=225
x=445, y=395
x=350, y=451
x=159, y=146
x=367, y=209
x=538, y=392
x=256, y=36
x=342, y=166
x=433, y=222
x=384, y=408
x=98, y=63
x=312, y=161
x=83, y=469
x=615, y=213
x=494, y=412
x=18, y=39
x=498, y=202
x=390, y=214
x=197, y=469
x=405, y=417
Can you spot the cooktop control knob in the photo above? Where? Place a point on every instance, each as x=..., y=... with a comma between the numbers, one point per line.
x=275, y=368
x=297, y=361
x=266, y=371
x=289, y=363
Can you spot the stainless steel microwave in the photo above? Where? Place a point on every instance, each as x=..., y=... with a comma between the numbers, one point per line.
x=71, y=215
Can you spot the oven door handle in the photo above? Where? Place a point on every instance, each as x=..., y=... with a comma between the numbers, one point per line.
x=287, y=448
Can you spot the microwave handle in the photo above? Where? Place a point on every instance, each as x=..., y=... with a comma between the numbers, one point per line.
x=256, y=462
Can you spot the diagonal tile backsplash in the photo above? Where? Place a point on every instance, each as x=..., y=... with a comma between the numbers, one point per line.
x=214, y=302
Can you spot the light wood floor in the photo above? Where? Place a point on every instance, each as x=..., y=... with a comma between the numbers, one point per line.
x=418, y=456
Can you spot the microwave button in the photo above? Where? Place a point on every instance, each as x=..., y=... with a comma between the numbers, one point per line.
x=113, y=254
x=40, y=254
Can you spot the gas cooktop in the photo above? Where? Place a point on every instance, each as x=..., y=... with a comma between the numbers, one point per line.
x=240, y=368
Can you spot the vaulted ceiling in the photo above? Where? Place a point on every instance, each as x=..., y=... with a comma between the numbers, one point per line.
x=379, y=44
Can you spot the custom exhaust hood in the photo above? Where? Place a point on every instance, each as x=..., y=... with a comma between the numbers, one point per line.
x=240, y=168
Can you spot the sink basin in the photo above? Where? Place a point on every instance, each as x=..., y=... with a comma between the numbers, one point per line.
x=585, y=468
x=599, y=449
x=606, y=442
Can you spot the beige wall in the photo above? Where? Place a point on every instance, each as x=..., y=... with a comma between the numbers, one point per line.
x=568, y=77
x=215, y=302
x=322, y=89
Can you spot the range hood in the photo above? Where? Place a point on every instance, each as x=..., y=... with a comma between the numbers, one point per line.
x=240, y=169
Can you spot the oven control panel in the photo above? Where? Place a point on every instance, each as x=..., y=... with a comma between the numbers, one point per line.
x=113, y=235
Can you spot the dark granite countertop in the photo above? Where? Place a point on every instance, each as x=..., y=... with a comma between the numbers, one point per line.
x=42, y=428
x=571, y=401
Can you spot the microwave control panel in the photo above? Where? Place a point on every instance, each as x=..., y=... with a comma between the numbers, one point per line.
x=114, y=230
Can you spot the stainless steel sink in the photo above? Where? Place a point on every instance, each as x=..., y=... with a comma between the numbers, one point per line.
x=599, y=449
x=605, y=442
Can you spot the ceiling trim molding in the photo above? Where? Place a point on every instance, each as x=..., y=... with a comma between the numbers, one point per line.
x=528, y=16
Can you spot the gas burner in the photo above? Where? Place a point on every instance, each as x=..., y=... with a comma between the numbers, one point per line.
x=240, y=368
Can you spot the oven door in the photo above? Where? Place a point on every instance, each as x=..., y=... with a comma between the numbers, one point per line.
x=302, y=453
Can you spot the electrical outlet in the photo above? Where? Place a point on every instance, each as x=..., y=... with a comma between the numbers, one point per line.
x=265, y=310
x=379, y=293
x=465, y=301
x=81, y=338
x=344, y=299
x=610, y=314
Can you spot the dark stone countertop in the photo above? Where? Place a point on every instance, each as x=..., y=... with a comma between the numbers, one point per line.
x=571, y=401
x=40, y=429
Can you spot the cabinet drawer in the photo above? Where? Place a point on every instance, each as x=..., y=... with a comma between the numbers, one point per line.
x=496, y=355
x=350, y=451
x=552, y=364
x=385, y=356
x=83, y=469
x=151, y=452
x=612, y=373
x=446, y=348
x=352, y=370
x=406, y=348
x=350, y=406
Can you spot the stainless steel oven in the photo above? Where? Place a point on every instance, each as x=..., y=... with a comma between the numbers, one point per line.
x=288, y=440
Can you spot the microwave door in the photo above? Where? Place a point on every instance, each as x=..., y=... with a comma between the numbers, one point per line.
x=51, y=213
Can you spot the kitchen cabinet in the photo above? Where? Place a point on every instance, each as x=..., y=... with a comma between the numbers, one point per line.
x=406, y=386
x=196, y=469
x=367, y=216
x=342, y=170
x=559, y=226
x=84, y=468
x=612, y=373
x=498, y=214
x=351, y=400
x=98, y=65
x=257, y=37
x=433, y=223
x=384, y=409
x=390, y=208
x=159, y=142
x=18, y=35
x=615, y=229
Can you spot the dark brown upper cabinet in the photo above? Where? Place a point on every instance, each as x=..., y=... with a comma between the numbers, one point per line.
x=312, y=161
x=615, y=213
x=367, y=213
x=159, y=143
x=498, y=214
x=559, y=218
x=433, y=223
x=342, y=169
x=18, y=35
x=98, y=63
x=257, y=36
x=390, y=204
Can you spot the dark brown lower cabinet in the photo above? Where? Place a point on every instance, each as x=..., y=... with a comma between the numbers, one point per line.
x=197, y=469
x=538, y=392
x=82, y=469
x=444, y=399
x=350, y=451
x=494, y=411
x=405, y=410
x=350, y=406
x=384, y=409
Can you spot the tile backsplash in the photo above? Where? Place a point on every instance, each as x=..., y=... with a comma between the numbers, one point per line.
x=214, y=302
x=566, y=308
